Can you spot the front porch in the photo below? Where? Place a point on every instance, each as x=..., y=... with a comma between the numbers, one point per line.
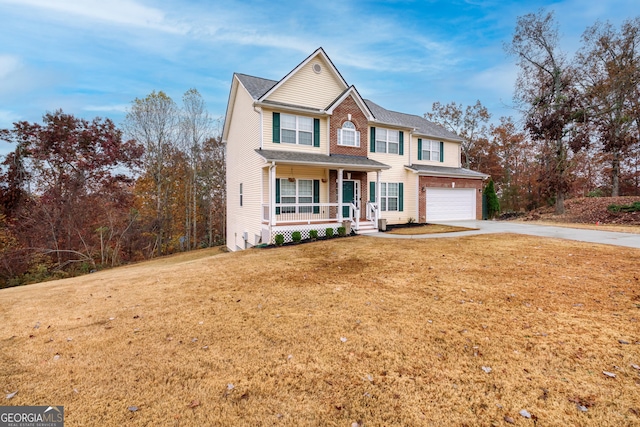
x=319, y=217
x=304, y=195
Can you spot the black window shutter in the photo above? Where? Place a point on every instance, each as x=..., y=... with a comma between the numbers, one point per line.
x=277, y=195
x=316, y=132
x=401, y=148
x=276, y=128
x=372, y=141
x=316, y=195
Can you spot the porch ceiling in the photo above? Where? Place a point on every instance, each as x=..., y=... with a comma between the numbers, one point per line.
x=357, y=163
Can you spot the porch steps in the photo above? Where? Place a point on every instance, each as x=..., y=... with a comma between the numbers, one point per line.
x=367, y=227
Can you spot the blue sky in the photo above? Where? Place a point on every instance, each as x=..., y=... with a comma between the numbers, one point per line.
x=93, y=57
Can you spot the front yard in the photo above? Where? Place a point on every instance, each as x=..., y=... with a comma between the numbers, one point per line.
x=456, y=331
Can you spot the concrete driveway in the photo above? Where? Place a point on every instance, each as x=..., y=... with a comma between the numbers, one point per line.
x=487, y=227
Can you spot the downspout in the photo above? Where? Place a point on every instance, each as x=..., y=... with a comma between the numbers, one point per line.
x=259, y=111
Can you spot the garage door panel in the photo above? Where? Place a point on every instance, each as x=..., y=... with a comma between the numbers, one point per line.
x=451, y=204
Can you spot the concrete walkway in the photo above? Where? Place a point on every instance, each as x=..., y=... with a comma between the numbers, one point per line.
x=489, y=227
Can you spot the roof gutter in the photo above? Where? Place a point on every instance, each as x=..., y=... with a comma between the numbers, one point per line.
x=446, y=174
x=270, y=162
x=291, y=108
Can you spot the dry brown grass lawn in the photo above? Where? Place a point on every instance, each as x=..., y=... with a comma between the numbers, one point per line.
x=256, y=338
x=428, y=229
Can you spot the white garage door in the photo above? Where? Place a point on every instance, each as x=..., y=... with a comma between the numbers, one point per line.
x=451, y=204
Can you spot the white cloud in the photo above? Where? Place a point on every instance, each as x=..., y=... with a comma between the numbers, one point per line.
x=7, y=118
x=121, y=108
x=9, y=64
x=499, y=80
x=119, y=12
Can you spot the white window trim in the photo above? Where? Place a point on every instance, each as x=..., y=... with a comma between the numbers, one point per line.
x=430, y=151
x=356, y=135
x=296, y=204
x=296, y=130
x=387, y=141
x=384, y=199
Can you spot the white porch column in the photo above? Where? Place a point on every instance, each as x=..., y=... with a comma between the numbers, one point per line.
x=272, y=195
x=340, y=173
x=378, y=197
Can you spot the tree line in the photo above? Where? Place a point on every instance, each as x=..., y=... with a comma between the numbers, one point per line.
x=580, y=131
x=79, y=195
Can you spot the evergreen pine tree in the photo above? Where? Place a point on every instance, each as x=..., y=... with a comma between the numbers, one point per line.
x=493, y=204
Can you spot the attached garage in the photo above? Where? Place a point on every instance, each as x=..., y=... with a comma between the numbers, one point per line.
x=451, y=204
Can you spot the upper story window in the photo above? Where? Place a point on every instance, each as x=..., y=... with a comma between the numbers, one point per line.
x=387, y=141
x=296, y=129
x=430, y=150
x=291, y=129
x=348, y=135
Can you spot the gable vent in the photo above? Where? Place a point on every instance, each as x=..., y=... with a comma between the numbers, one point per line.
x=317, y=68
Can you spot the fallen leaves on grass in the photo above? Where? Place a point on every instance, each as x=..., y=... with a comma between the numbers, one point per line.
x=525, y=413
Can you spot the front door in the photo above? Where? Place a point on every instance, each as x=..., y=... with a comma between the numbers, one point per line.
x=350, y=190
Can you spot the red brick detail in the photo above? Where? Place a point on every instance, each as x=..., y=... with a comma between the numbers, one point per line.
x=440, y=182
x=340, y=115
x=364, y=189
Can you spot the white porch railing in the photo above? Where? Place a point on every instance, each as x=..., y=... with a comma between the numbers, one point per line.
x=354, y=215
x=309, y=213
x=372, y=212
x=304, y=212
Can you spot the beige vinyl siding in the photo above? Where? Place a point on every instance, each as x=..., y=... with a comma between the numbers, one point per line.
x=451, y=153
x=243, y=166
x=267, y=120
x=265, y=186
x=397, y=173
x=308, y=88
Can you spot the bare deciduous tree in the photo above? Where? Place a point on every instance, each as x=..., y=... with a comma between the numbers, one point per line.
x=545, y=89
x=153, y=122
x=609, y=65
x=467, y=122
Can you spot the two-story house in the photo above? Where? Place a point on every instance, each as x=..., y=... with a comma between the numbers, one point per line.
x=307, y=152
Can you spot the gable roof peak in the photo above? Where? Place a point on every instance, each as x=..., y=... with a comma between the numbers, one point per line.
x=318, y=52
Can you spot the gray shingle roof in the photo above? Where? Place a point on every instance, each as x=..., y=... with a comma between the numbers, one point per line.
x=446, y=171
x=255, y=85
x=422, y=125
x=258, y=86
x=297, y=157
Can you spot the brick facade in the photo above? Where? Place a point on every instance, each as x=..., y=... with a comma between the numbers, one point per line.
x=364, y=189
x=341, y=115
x=440, y=182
